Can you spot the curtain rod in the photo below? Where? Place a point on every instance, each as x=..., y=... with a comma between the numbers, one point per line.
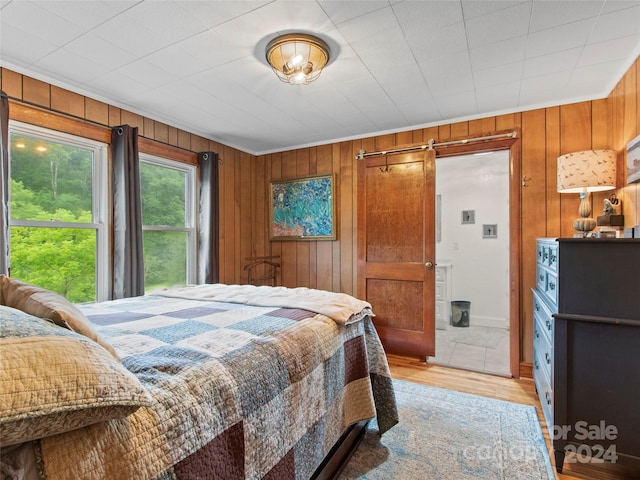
x=430, y=145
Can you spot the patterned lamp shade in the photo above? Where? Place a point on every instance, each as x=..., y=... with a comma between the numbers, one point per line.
x=587, y=171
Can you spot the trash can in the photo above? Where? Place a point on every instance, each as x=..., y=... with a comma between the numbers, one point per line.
x=460, y=312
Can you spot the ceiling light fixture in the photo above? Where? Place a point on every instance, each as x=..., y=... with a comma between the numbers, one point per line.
x=297, y=58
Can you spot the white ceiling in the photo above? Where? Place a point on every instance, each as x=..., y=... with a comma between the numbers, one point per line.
x=396, y=65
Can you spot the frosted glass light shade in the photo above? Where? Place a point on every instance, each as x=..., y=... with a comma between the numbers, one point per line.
x=297, y=58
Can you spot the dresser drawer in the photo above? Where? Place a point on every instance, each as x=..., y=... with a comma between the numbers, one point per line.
x=547, y=254
x=542, y=311
x=545, y=393
x=551, y=289
x=543, y=352
x=547, y=283
x=552, y=257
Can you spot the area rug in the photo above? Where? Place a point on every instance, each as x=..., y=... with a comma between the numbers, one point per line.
x=444, y=434
x=482, y=337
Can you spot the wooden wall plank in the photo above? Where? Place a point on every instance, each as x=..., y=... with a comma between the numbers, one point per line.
x=115, y=117
x=444, y=132
x=552, y=151
x=482, y=125
x=313, y=246
x=575, y=135
x=133, y=120
x=430, y=133
x=346, y=224
x=289, y=250
x=96, y=111
x=11, y=83
x=67, y=102
x=385, y=141
x=302, y=248
x=324, y=249
x=601, y=138
x=184, y=140
x=245, y=209
x=460, y=129
x=532, y=212
x=335, y=246
x=275, y=173
x=36, y=92
x=404, y=138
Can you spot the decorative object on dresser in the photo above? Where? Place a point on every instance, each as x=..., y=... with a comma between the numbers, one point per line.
x=591, y=405
x=611, y=221
x=585, y=172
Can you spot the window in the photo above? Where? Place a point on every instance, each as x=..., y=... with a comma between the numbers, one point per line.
x=57, y=197
x=168, y=218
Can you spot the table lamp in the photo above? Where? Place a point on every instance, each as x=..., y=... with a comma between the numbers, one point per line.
x=585, y=172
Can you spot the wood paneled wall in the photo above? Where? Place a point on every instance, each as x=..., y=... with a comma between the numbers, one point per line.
x=545, y=134
x=332, y=265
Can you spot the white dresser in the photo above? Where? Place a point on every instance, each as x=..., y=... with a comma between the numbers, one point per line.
x=443, y=294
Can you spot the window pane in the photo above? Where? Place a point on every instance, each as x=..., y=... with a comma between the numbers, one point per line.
x=62, y=260
x=163, y=195
x=165, y=259
x=50, y=180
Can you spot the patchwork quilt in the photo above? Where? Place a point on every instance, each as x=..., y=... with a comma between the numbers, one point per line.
x=240, y=391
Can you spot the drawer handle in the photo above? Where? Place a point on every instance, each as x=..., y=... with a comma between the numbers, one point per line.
x=553, y=258
x=537, y=307
x=547, y=395
x=541, y=277
x=548, y=322
x=552, y=286
x=537, y=365
x=537, y=333
x=545, y=255
x=547, y=357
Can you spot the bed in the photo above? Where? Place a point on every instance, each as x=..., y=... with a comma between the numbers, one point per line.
x=208, y=381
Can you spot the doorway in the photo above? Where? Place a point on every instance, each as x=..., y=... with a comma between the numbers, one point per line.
x=472, y=262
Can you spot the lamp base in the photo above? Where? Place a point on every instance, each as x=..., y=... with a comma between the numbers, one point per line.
x=584, y=226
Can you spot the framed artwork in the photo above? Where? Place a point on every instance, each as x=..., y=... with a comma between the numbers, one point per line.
x=490, y=231
x=633, y=160
x=468, y=216
x=303, y=208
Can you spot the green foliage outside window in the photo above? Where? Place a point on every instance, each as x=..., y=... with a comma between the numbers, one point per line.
x=52, y=182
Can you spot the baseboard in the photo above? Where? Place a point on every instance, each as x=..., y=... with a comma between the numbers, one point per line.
x=526, y=370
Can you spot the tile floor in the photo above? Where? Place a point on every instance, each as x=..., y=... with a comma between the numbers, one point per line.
x=482, y=349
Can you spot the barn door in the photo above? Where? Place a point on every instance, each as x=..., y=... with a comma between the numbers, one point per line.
x=396, y=248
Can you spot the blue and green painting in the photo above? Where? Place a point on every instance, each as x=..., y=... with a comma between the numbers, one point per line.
x=303, y=208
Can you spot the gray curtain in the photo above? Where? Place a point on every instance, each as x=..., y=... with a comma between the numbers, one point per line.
x=4, y=183
x=208, y=219
x=128, y=262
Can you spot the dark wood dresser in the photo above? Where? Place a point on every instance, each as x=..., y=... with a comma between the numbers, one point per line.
x=595, y=371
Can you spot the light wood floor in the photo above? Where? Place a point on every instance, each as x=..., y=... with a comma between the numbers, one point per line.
x=512, y=390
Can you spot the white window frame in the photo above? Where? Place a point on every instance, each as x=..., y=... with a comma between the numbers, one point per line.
x=190, y=210
x=99, y=201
